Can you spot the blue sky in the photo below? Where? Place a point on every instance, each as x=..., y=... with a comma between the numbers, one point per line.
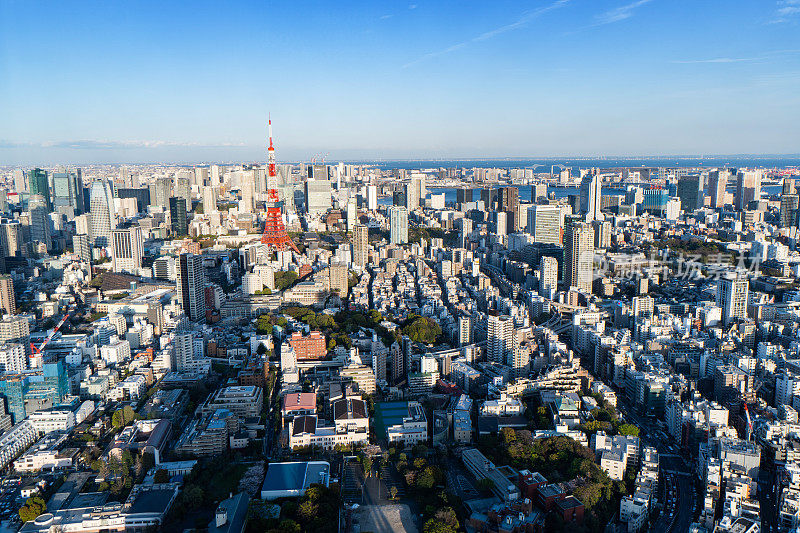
x=141, y=81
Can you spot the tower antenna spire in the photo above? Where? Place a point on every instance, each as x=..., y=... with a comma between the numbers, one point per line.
x=274, y=235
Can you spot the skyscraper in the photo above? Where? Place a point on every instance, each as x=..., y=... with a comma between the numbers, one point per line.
x=361, y=245
x=398, y=225
x=160, y=192
x=508, y=200
x=591, y=195
x=548, y=276
x=372, y=197
x=183, y=187
x=67, y=191
x=209, y=199
x=499, y=338
x=578, y=255
x=602, y=233
x=40, y=219
x=717, y=183
x=790, y=202
x=318, y=196
x=732, y=291
x=352, y=213
x=38, y=183
x=128, y=249
x=82, y=247
x=101, y=213
x=690, y=192
x=7, y=300
x=544, y=223
x=748, y=188
x=177, y=214
x=191, y=281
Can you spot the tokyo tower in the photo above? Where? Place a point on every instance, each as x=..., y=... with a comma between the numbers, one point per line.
x=275, y=235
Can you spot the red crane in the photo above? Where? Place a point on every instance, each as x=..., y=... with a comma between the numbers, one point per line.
x=41, y=347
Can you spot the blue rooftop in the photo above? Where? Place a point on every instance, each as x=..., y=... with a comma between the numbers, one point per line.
x=285, y=476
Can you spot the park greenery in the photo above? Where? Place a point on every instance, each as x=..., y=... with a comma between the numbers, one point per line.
x=421, y=329
x=123, y=417
x=284, y=279
x=338, y=327
x=34, y=506
x=317, y=511
x=560, y=459
x=604, y=418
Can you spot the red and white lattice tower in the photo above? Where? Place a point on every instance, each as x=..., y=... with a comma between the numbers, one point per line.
x=275, y=235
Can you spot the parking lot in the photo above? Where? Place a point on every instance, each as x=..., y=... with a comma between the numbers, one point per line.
x=10, y=499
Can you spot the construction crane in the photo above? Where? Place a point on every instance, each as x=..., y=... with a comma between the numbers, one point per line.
x=749, y=422
x=42, y=346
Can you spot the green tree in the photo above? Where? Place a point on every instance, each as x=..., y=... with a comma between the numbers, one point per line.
x=34, y=506
x=161, y=476
x=435, y=526
x=629, y=429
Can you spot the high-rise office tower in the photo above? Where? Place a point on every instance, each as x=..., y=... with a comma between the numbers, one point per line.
x=67, y=191
x=361, y=245
x=463, y=196
x=38, y=183
x=16, y=329
x=82, y=247
x=11, y=238
x=500, y=222
x=789, y=186
x=398, y=225
x=602, y=233
x=248, y=192
x=40, y=219
x=508, y=200
x=101, y=213
x=209, y=199
x=499, y=338
x=465, y=329
x=200, y=176
x=372, y=197
x=183, y=187
x=578, y=255
x=352, y=213
x=690, y=191
x=7, y=300
x=20, y=180
x=318, y=171
x=717, y=184
x=412, y=194
x=591, y=195
x=790, y=202
x=379, y=363
x=544, y=223
x=191, y=282
x=548, y=277
x=338, y=276
x=732, y=291
x=318, y=196
x=465, y=232
x=177, y=214
x=128, y=249
x=748, y=188
x=161, y=191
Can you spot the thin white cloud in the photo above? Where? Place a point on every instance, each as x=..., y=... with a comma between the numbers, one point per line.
x=787, y=10
x=620, y=13
x=717, y=60
x=765, y=56
x=384, y=17
x=527, y=17
x=85, y=144
x=412, y=6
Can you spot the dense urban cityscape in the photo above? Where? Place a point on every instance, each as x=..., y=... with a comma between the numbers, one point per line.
x=353, y=347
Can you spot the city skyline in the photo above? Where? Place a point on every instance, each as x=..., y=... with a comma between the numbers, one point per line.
x=101, y=83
